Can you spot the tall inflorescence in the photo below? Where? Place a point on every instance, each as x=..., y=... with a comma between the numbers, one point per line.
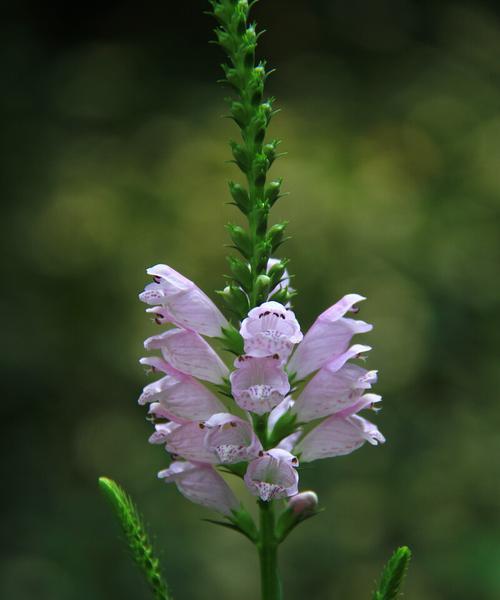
x=252, y=278
x=284, y=397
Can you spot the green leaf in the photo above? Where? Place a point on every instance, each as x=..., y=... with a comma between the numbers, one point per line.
x=240, y=521
x=391, y=580
x=136, y=536
x=288, y=520
x=283, y=427
x=233, y=340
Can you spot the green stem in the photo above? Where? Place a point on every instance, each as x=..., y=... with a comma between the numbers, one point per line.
x=268, y=554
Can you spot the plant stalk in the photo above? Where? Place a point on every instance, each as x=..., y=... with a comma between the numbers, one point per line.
x=268, y=553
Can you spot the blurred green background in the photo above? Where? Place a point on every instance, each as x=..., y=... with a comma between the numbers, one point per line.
x=114, y=159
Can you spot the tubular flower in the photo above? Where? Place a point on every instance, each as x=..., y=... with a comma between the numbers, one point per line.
x=202, y=485
x=329, y=337
x=196, y=426
x=259, y=384
x=182, y=397
x=270, y=329
x=337, y=436
x=179, y=301
x=189, y=353
x=273, y=475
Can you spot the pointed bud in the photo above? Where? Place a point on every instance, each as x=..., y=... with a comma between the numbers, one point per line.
x=260, y=168
x=270, y=151
x=239, y=113
x=236, y=299
x=240, y=271
x=262, y=286
x=275, y=235
x=273, y=191
x=276, y=272
x=240, y=155
x=262, y=212
x=240, y=197
x=240, y=239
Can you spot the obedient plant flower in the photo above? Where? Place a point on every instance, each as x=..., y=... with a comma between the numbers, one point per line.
x=232, y=439
x=329, y=337
x=259, y=384
x=182, y=397
x=190, y=354
x=338, y=435
x=202, y=485
x=181, y=302
x=270, y=329
x=336, y=386
x=273, y=475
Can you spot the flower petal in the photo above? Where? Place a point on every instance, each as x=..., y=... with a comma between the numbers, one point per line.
x=328, y=337
x=188, y=441
x=184, y=398
x=201, y=484
x=273, y=475
x=189, y=353
x=183, y=302
x=259, y=384
x=270, y=329
x=337, y=436
x=333, y=389
x=231, y=439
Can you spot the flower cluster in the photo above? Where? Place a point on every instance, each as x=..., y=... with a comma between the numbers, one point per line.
x=259, y=432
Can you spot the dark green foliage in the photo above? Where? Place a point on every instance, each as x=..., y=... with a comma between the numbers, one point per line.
x=136, y=536
x=391, y=580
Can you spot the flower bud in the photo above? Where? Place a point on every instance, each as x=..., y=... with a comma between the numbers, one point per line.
x=240, y=197
x=241, y=272
x=273, y=191
x=304, y=504
x=240, y=239
x=262, y=286
x=236, y=299
x=240, y=155
x=275, y=235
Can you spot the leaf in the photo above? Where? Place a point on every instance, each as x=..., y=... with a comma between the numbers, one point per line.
x=136, y=536
x=391, y=580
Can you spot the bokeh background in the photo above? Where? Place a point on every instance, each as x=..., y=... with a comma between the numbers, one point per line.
x=113, y=153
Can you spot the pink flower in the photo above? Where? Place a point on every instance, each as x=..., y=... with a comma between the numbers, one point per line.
x=336, y=436
x=183, y=398
x=328, y=337
x=181, y=302
x=231, y=439
x=162, y=431
x=222, y=439
x=259, y=384
x=188, y=441
x=335, y=386
x=270, y=329
x=189, y=353
x=202, y=485
x=273, y=475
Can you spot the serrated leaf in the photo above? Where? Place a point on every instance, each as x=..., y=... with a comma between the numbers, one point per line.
x=393, y=575
x=136, y=536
